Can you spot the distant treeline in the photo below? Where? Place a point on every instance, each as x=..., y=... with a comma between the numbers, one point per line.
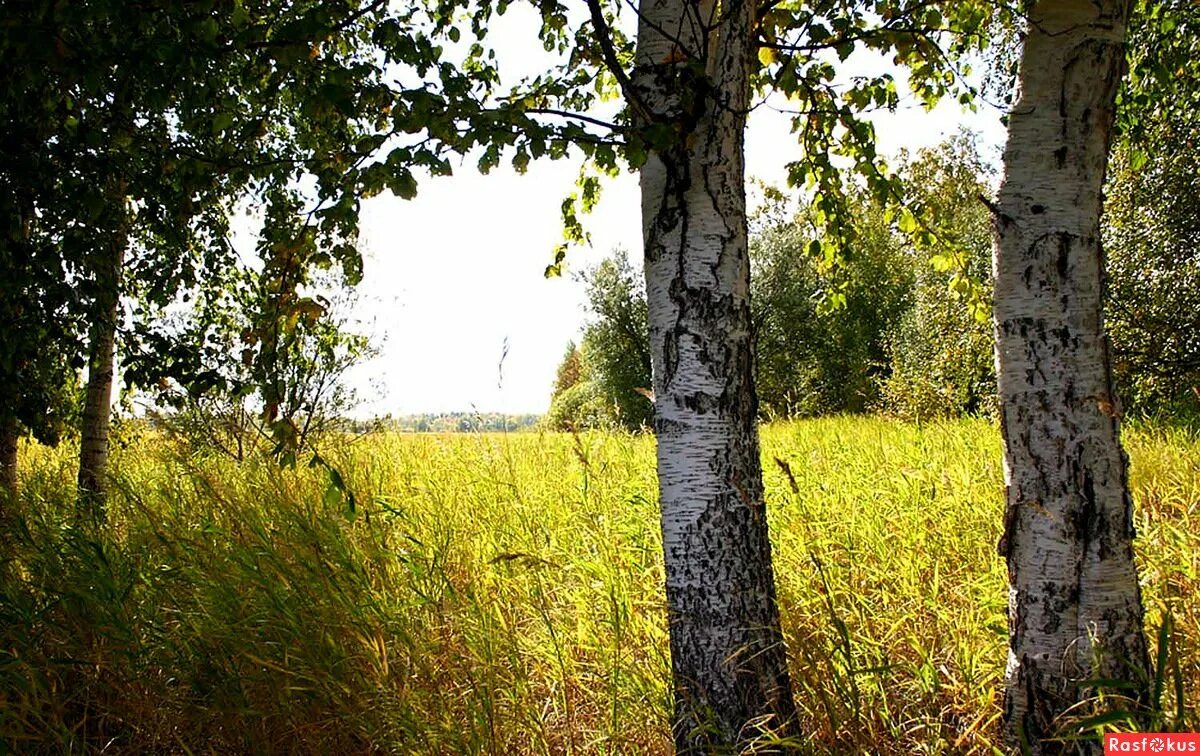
x=459, y=422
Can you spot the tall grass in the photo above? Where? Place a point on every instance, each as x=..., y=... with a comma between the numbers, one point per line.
x=502, y=594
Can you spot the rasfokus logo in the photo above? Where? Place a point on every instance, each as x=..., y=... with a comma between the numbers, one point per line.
x=1152, y=742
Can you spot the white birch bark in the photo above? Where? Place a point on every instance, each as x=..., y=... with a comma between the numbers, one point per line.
x=728, y=659
x=106, y=266
x=1075, y=608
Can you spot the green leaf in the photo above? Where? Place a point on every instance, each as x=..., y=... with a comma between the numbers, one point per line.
x=240, y=18
x=403, y=184
x=209, y=29
x=941, y=262
x=520, y=161
x=554, y=269
x=221, y=122
x=333, y=496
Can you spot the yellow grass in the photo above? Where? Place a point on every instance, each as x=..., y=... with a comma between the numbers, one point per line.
x=503, y=594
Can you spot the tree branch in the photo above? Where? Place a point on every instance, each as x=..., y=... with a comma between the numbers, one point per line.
x=609, y=53
x=575, y=116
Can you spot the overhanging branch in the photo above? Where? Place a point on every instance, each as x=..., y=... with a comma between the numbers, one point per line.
x=609, y=53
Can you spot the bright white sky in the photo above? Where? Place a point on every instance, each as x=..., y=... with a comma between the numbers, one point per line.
x=454, y=275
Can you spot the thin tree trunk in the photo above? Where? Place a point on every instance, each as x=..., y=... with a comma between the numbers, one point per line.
x=11, y=308
x=1075, y=611
x=728, y=660
x=9, y=436
x=97, y=408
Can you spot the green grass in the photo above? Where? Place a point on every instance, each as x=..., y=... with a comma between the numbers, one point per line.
x=503, y=594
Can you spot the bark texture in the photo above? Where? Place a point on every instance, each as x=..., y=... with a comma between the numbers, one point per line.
x=1075, y=611
x=729, y=664
x=97, y=408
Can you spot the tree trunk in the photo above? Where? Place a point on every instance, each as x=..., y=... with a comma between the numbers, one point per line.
x=97, y=408
x=1075, y=611
x=9, y=436
x=728, y=660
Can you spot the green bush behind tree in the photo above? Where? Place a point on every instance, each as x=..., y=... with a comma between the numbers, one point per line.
x=815, y=358
x=940, y=361
x=1151, y=237
x=605, y=380
x=891, y=328
x=877, y=328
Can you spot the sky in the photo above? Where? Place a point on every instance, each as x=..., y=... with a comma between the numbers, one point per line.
x=453, y=294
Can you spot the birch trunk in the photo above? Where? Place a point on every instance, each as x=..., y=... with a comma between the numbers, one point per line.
x=1075, y=611
x=97, y=407
x=729, y=663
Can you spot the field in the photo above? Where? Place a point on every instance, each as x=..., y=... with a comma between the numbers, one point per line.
x=502, y=594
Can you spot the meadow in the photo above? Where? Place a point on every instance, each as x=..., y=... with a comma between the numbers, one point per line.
x=496, y=593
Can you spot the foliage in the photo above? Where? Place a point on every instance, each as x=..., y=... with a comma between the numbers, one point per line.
x=1162, y=67
x=941, y=349
x=931, y=41
x=269, y=369
x=38, y=352
x=462, y=422
x=569, y=372
x=906, y=332
x=605, y=381
x=136, y=128
x=582, y=406
x=39, y=361
x=1152, y=219
x=801, y=49
x=814, y=359
x=1152, y=225
x=615, y=343
x=579, y=401
x=502, y=594
x=156, y=118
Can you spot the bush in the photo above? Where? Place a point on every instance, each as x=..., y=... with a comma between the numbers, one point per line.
x=616, y=344
x=814, y=359
x=582, y=406
x=1152, y=222
x=941, y=364
x=940, y=351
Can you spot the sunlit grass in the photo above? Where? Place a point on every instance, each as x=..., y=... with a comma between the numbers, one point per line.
x=502, y=594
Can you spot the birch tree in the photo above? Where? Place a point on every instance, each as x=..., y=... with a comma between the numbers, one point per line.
x=1075, y=611
x=685, y=90
x=148, y=123
x=104, y=268
x=727, y=654
x=686, y=86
